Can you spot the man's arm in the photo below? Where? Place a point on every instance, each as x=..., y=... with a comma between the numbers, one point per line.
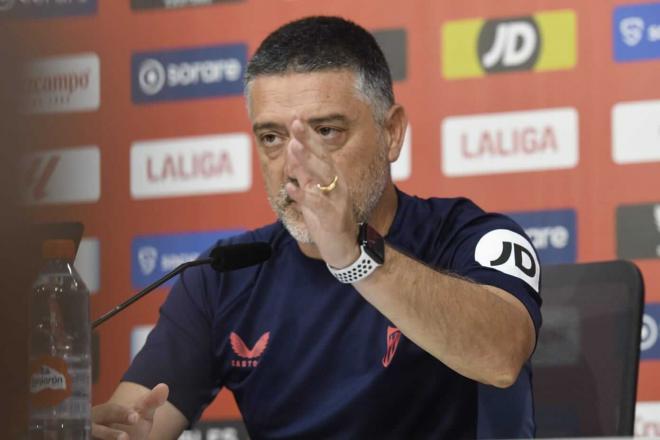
x=138, y=413
x=479, y=331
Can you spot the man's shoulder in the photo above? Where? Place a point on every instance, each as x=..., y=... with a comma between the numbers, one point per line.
x=455, y=211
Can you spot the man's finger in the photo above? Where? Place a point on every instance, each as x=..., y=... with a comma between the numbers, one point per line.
x=303, y=134
x=100, y=432
x=318, y=170
x=114, y=413
x=148, y=404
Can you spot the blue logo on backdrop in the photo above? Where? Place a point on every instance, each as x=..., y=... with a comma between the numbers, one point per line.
x=46, y=8
x=649, y=347
x=552, y=234
x=636, y=32
x=152, y=256
x=188, y=73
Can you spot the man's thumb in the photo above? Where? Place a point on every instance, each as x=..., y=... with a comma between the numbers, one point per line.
x=152, y=400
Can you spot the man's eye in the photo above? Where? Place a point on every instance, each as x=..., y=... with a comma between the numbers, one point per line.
x=326, y=131
x=268, y=139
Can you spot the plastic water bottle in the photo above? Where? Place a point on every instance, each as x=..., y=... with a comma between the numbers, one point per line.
x=60, y=349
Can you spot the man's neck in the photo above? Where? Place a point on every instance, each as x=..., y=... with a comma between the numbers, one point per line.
x=381, y=219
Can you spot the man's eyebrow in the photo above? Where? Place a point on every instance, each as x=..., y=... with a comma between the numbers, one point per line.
x=267, y=126
x=333, y=117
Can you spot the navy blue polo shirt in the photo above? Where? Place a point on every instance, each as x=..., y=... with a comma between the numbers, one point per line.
x=307, y=357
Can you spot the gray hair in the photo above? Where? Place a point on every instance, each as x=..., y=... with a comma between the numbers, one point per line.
x=317, y=44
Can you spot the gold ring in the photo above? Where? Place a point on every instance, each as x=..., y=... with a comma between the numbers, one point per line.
x=326, y=189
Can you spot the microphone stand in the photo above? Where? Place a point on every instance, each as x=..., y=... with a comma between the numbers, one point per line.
x=180, y=268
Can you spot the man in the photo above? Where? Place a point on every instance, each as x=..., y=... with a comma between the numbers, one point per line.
x=422, y=327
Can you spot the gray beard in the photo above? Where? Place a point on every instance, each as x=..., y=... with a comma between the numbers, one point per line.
x=365, y=196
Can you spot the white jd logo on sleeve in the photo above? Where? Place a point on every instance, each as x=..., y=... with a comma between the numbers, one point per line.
x=510, y=253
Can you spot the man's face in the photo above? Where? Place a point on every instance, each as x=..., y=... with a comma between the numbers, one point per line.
x=339, y=120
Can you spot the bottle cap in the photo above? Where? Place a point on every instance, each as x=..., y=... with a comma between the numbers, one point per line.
x=59, y=248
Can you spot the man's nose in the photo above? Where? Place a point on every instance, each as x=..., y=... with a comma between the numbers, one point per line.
x=291, y=163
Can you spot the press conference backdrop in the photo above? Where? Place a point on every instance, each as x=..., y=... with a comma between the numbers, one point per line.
x=548, y=111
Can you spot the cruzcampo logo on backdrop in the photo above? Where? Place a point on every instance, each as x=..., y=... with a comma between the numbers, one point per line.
x=541, y=42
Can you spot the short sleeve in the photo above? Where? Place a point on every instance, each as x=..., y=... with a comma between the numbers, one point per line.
x=178, y=350
x=495, y=251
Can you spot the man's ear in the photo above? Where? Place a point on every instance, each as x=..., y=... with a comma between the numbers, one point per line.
x=396, y=122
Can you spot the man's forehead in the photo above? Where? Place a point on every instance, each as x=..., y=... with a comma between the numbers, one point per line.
x=306, y=93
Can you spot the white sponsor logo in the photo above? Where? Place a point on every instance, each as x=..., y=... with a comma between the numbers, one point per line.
x=511, y=253
x=153, y=76
x=649, y=332
x=169, y=262
x=510, y=142
x=647, y=419
x=632, y=30
x=401, y=168
x=514, y=45
x=62, y=84
x=139, y=336
x=72, y=175
x=190, y=166
x=548, y=236
x=180, y=3
x=147, y=258
x=47, y=378
x=88, y=263
x=636, y=132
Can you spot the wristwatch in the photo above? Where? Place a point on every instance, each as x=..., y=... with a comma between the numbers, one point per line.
x=372, y=255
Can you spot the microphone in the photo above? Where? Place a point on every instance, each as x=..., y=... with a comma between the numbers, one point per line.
x=238, y=256
x=222, y=259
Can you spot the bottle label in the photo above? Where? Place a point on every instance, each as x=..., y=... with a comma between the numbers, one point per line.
x=50, y=382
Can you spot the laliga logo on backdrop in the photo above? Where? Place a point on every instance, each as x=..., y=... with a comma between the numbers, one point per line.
x=38, y=175
x=518, y=141
x=147, y=257
x=632, y=30
x=649, y=332
x=509, y=45
x=151, y=76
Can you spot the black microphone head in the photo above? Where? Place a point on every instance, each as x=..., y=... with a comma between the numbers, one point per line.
x=238, y=256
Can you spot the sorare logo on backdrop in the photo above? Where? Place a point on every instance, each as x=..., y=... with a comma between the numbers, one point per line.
x=152, y=256
x=636, y=32
x=46, y=8
x=553, y=234
x=649, y=347
x=191, y=73
x=171, y=4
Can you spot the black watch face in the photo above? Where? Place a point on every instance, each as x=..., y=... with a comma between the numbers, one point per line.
x=373, y=243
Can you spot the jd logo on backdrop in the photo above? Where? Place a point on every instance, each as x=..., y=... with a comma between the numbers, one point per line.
x=477, y=47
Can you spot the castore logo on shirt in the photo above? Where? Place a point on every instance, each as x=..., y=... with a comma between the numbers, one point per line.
x=249, y=357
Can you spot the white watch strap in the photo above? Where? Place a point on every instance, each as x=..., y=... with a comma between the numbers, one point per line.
x=361, y=268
